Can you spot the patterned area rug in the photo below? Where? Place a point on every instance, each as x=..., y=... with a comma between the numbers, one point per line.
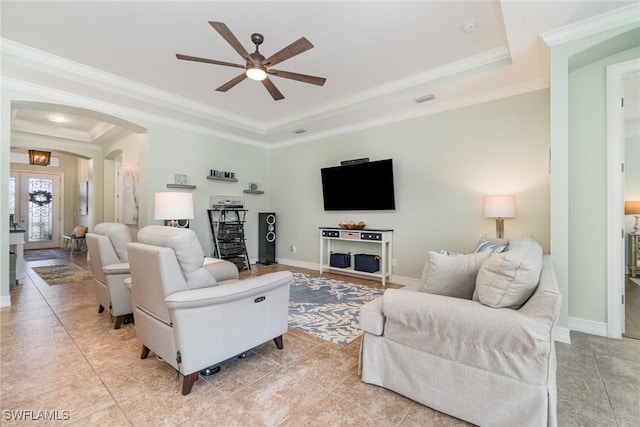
x=328, y=308
x=60, y=274
x=42, y=254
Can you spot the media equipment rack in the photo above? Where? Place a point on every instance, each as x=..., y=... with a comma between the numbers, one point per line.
x=227, y=230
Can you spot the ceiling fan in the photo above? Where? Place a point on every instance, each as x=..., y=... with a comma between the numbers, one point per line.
x=258, y=67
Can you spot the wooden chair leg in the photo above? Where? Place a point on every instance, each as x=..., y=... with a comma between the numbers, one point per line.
x=119, y=320
x=145, y=352
x=187, y=383
x=100, y=309
x=279, y=342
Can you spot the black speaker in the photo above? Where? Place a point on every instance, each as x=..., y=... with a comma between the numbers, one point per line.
x=267, y=237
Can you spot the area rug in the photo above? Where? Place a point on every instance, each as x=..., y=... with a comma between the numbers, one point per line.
x=60, y=274
x=43, y=254
x=328, y=308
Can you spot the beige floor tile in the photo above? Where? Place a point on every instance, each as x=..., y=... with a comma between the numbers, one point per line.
x=235, y=373
x=279, y=396
x=166, y=406
x=423, y=416
x=336, y=411
x=111, y=416
x=378, y=401
x=126, y=380
x=294, y=347
x=327, y=365
x=79, y=400
x=44, y=378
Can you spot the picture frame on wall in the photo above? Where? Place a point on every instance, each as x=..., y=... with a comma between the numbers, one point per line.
x=83, y=198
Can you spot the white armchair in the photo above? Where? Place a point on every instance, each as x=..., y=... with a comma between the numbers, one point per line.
x=109, y=263
x=192, y=311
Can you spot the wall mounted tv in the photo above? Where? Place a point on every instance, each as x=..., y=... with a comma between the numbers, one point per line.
x=359, y=187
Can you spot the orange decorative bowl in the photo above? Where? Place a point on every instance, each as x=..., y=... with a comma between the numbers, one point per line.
x=352, y=226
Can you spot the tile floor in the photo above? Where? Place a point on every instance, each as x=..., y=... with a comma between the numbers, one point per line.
x=632, y=308
x=59, y=354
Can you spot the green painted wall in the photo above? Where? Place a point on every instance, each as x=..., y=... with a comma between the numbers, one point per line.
x=566, y=175
x=588, y=187
x=443, y=165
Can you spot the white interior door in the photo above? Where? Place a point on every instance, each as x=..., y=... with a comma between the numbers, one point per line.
x=38, y=209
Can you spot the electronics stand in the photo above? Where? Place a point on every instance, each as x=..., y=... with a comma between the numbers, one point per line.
x=227, y=231
x=383, y=238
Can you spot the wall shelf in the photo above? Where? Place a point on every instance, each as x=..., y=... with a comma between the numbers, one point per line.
x=184, y=186
x=253, y=191
x=221, y=178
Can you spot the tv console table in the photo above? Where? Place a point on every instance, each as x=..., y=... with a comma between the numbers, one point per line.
x=382, y=237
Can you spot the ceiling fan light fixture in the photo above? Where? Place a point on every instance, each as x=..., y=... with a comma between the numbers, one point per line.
x=256, y=73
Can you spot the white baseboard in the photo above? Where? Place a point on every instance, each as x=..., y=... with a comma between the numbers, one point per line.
x=5, y=301
x=300, y=264
x=588, y=326
x=562, y=334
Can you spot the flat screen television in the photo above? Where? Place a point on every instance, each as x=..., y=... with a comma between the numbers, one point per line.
x=359, y=187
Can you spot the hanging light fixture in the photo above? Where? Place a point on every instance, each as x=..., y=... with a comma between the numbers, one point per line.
x=39, y=158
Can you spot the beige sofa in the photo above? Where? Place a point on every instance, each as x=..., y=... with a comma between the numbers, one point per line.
x=486, y=365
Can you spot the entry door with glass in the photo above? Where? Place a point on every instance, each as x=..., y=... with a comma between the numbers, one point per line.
x=36, y=201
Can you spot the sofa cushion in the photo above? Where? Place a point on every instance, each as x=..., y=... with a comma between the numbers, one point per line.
x=453, y=276
x=508, y=279
x=493, y=245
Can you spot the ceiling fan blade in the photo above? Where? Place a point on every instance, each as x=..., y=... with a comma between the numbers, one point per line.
x=295, y=48
x=231, y=83
x=299, y=77
x=273, y=90
x=207, y=61
x=226, y=34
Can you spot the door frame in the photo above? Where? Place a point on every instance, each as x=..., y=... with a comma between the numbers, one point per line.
x=616, y=236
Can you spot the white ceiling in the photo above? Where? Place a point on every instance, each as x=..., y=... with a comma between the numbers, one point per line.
x=377, y=57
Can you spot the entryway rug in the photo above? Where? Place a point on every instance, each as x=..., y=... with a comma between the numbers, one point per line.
x=60, y=274
x=328, y=308
x=42, y=254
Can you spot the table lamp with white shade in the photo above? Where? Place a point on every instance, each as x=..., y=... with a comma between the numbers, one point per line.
x=632, y=207
x=172, y=207
x=499, y=207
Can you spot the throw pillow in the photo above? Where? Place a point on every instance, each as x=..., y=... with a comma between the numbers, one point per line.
x=508, y=279
x=453, y=276
x=495, y=246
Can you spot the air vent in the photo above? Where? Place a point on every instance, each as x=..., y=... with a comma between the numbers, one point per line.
x=299, y=131
x=425, y=98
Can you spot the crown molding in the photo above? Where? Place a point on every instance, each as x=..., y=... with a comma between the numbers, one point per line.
x=59, y=96
x=490, y=57
x=104, y=80
x=606, y=21
x=46, y=62
x=480, y=98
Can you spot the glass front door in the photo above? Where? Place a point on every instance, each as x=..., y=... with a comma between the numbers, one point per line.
x=35, y=201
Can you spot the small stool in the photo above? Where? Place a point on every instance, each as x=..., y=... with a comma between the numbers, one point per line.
x=76, y=237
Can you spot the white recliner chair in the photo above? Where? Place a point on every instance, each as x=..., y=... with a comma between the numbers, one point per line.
x=109, y=263
x=194, y=312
